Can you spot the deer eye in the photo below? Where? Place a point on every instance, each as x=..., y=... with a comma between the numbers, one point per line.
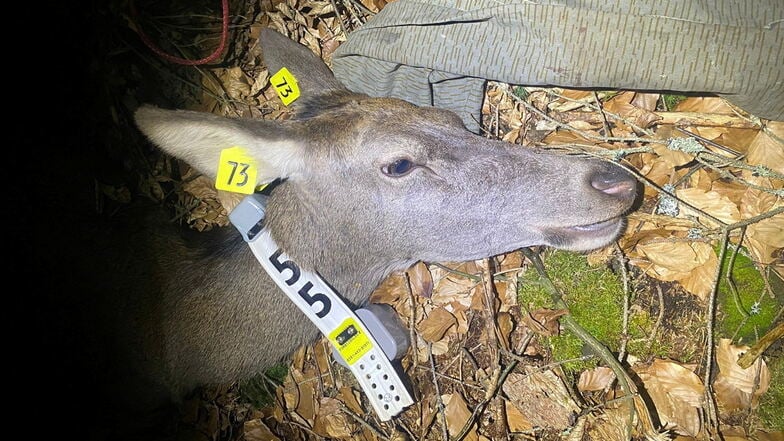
x=401, y=167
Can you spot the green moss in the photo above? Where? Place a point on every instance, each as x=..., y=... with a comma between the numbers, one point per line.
x=772, y=401
x=670, y=101
x=594, y=296
x=595, y=299
x=750, y=314
x=641, y=325
x=256, y=390
x=520, y=92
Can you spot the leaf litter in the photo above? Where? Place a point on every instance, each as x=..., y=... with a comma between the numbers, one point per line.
x=477, y=366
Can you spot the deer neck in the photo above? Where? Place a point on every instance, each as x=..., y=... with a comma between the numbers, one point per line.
x=333, y=248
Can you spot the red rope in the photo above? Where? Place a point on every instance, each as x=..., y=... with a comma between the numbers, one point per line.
x=177, y=60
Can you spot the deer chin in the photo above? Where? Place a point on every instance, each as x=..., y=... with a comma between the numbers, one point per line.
x=585, y=237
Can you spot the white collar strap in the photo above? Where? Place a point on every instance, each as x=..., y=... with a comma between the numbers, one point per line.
x=351, y=338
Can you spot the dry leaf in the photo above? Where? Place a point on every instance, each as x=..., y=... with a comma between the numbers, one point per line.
x=350, y=398
x=704, y=181
x=515, y=420
x=610, y=425
x=769, y=436
x=510, y=261
x=766, y=239
x=767, y=148
x=332, y=422
x=622, y=105
x=737, y=388
x=598, y=378
x=544, y=321
x=507, y=293
x=440, y=347
x=322, y=355
x=673, y=260
x=699, y=281
x=755, y=202
x=256, y=430
x=457, y=414
x=733, y=190
x=301, y=395
x=420, y=280
x=577, y=431
x=647, y=101
x=234, y=81
x=711, y=202
x=735, y=139
x=505, y=327
x=199, y=185
x=436, y=324
x=391, y=290
x=260, y=82
x=704, y=105
x=582, y=125
x=563, y=137
x=677, y=393
x=454, y=289
x=659, y=172
x=542, y=398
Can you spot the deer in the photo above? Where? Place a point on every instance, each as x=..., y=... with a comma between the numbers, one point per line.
x=367, y=186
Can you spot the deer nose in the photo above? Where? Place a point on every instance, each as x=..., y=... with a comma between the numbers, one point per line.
x=614, y=181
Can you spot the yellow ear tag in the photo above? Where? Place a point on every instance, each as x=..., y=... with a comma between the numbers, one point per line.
x=286, y=86
x=237, y=171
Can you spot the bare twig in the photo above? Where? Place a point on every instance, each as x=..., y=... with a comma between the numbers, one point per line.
x=592, y=117
x=659, y=317
x=750, y=356
x=491, y=310
x=362, y=421
x=447, y=377
x=705, y=120
x=501, y=377
x=473, y=277
x=605, y=124
x=339, y=16
x=412, y=321
x=626, y=294
x=597, y=347
x=441, y=409
x=712, y=413
x=583, y=133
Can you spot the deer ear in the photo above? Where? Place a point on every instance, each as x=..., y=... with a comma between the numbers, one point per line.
x=198, y=139
x=313, y=76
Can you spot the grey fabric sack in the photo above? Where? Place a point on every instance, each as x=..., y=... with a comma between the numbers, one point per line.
x=441, y=52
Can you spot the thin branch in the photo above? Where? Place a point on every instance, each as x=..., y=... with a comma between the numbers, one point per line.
x=481, y=406
x=583, y=133
x=626, y=300
x=412, y=321
x=605, y=124
x=712, y=413
x=441, y=409
x=597, y=347
x=473, y=277
x=362, y=421
x=659, y=319
x=750, y=356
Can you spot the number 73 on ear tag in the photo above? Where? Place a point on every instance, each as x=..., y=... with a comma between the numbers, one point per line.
x=236, y=171
x=285, y=85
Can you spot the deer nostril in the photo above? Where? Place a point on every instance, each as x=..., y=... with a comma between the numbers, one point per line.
x=614, y=181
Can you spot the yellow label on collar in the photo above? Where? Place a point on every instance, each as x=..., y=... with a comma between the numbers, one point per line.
x=350, y=341
x=237, y=171
x=286, y=86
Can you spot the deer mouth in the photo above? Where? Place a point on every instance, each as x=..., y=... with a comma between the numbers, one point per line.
x=597, y=227
x=586, y=237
